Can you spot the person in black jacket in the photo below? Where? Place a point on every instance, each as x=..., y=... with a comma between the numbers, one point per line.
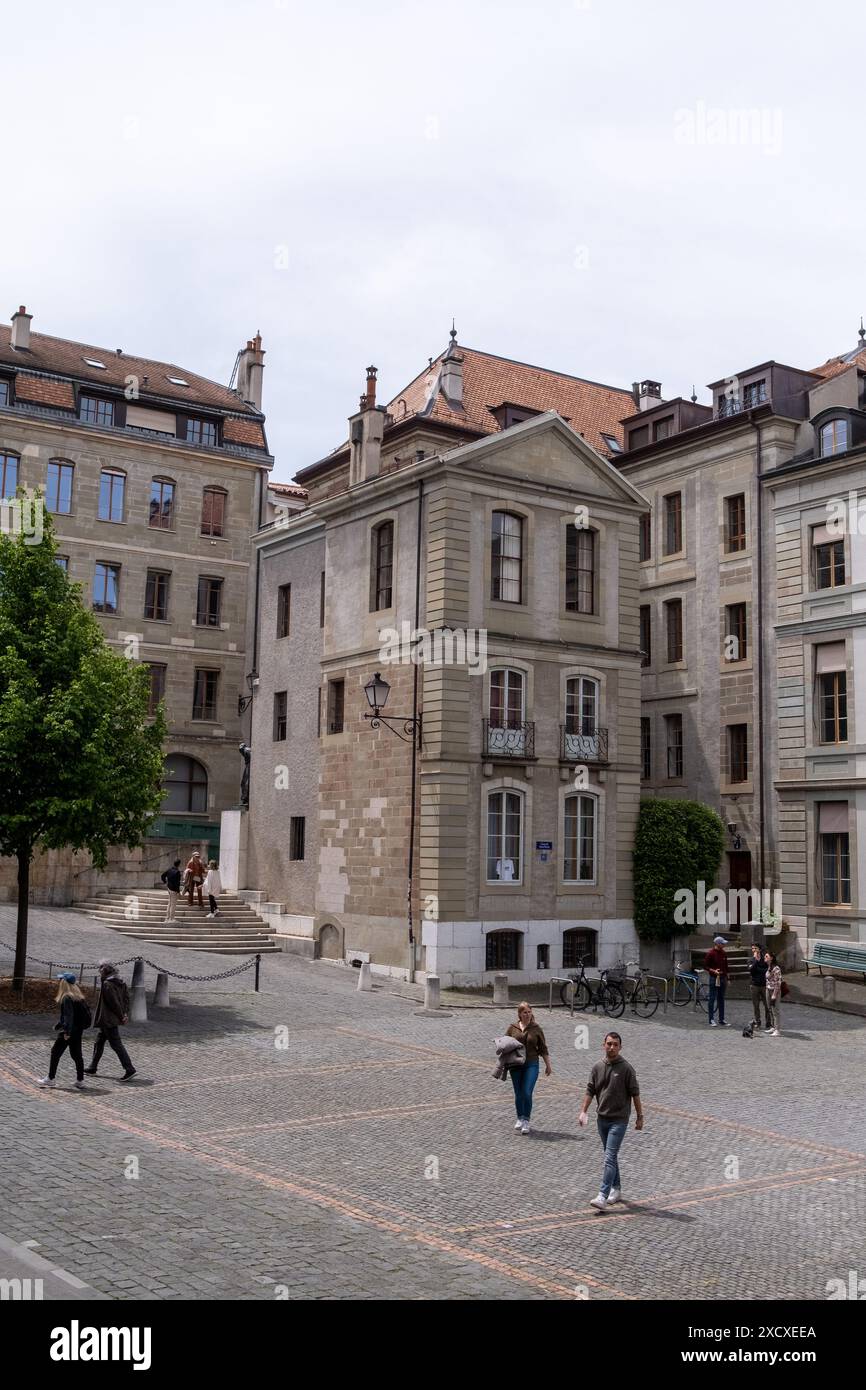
x=758, y=973
x=111, y=1011
x=74, y=1018
x=171, y=879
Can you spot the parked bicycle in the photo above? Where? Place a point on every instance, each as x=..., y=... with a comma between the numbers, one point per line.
x=688, y=987
x=643, y=997
x=593, y=992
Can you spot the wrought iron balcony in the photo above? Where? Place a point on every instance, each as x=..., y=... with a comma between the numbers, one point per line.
x=514, y=740
x=582, y=748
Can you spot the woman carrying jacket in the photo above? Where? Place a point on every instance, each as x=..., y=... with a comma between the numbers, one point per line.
x=74, y=1018
x=774, y=994
x=213, y=887
x=527, y=1031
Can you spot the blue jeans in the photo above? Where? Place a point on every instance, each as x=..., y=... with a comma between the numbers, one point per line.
x=611, y=1133
x=717, y=996
x=523, y=1080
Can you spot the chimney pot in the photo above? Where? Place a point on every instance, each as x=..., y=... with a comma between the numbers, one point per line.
x=20, y=337
x=370, y=397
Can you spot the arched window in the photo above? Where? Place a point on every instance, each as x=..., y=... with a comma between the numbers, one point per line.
x=581, y=552
x=112, y=483
x=381, y=586
x=581, y=836
x=581, y=718
x=185, y=784
x=506, y=728
x=503, y=950
x=213, y=511
x=834, y=437
x=58, y=492
x=506, y=558
x=161, y=503
x=8, y=474
x=579, y=944
x=504, y=837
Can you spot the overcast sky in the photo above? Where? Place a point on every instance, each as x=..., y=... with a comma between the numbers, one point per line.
x=607, y=187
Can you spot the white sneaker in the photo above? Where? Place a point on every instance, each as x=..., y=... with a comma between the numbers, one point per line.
x=518, y=1124
x=713, y=1023
x=599, y=1201
x=209, y=917
x=524, y=1128
x=615, y=1195
x=80, y=1086
x=769, y=1030
x=774, y=1033
x=47, y=1081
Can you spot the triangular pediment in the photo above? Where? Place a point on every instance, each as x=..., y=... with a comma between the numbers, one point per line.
x=546, y=450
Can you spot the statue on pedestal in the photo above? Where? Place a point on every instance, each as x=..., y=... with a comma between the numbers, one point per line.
x=246, y=753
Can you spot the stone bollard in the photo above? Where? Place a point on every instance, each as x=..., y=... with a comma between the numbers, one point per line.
x=828, y=989
x=137, y=972
x=365, y=980
x=432, y=1000
x=500, y=989
x=160, y=998
x=138, y=1008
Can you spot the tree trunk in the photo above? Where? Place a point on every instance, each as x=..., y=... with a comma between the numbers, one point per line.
x=20, y=969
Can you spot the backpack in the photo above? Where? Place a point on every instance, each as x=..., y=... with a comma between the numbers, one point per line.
x=81, y=1014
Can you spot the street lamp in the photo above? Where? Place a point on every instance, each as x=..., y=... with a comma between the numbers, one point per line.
x=245, y=700
x=377, y=691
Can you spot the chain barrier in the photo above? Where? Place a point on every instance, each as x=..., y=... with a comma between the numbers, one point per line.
x=223, y=975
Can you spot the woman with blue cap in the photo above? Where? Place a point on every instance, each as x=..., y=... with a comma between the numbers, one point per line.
x=74, y=1018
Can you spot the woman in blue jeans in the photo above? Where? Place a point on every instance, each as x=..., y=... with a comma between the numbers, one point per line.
x=527, y=1031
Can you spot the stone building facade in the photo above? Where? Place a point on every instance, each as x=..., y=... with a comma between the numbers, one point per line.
x=155, y=479
x=480, y=505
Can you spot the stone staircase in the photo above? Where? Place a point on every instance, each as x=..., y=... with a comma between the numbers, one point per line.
x=738, y=959
x=237, y=931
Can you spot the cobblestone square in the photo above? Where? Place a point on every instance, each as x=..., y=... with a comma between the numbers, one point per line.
x=374, y=1156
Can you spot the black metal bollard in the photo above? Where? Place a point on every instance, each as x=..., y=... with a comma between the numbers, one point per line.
x=258, y=966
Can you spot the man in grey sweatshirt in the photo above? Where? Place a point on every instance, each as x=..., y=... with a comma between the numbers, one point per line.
x=614, y=1085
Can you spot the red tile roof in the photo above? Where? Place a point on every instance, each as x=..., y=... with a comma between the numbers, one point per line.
x=66, y=358
x=836, y=365
x=590, y=407
x=290, y=489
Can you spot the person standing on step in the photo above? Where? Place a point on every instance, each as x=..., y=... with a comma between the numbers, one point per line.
x=195, y=872
x=213, y=887
x=112, y=1010
x=614, y=1085
x=758, y=974
x=716, y=965
x=171, y=879
x=774, y=994
x=74, y=1018
x=527, y=1031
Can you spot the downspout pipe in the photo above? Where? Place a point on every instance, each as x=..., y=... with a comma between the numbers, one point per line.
x=759, y=560
x=416, y=735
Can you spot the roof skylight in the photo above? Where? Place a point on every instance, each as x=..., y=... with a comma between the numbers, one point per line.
x=91, y=362
x=178, y=381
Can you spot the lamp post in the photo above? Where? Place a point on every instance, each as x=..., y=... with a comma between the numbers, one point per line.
x=377, y=691
x=245, y=700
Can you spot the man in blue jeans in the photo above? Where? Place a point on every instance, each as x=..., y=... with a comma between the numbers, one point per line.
x=716, y=965
x=613, y=1083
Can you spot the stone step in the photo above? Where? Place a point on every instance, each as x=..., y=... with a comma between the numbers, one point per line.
x=229, y=919
x=236, y=931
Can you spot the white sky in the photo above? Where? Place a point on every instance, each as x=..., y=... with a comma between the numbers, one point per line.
x=346, y=176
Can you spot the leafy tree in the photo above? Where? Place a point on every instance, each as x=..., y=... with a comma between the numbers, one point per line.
x=80, y=763
x=678, y=844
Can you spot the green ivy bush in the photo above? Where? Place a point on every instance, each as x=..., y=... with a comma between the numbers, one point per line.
x=678, y=844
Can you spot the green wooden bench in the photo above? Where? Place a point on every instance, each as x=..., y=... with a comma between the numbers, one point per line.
x=837, y=957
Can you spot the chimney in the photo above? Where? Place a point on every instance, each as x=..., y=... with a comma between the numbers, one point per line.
x=366, y=430
x=251, y=365
x=451, y=376
x=647, y=394
x=21, y=330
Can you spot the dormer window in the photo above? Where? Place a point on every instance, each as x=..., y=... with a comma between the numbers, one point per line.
x=508, y=414
x=5, y=392
x=834, y=437
x=755, y=394
x=201, y=432
x=95, y=412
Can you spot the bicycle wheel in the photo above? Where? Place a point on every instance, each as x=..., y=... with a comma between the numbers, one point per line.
x=682, y=994
x=646, y=1001
x=612, y=1000
x=583, y=997
x=703, y=996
